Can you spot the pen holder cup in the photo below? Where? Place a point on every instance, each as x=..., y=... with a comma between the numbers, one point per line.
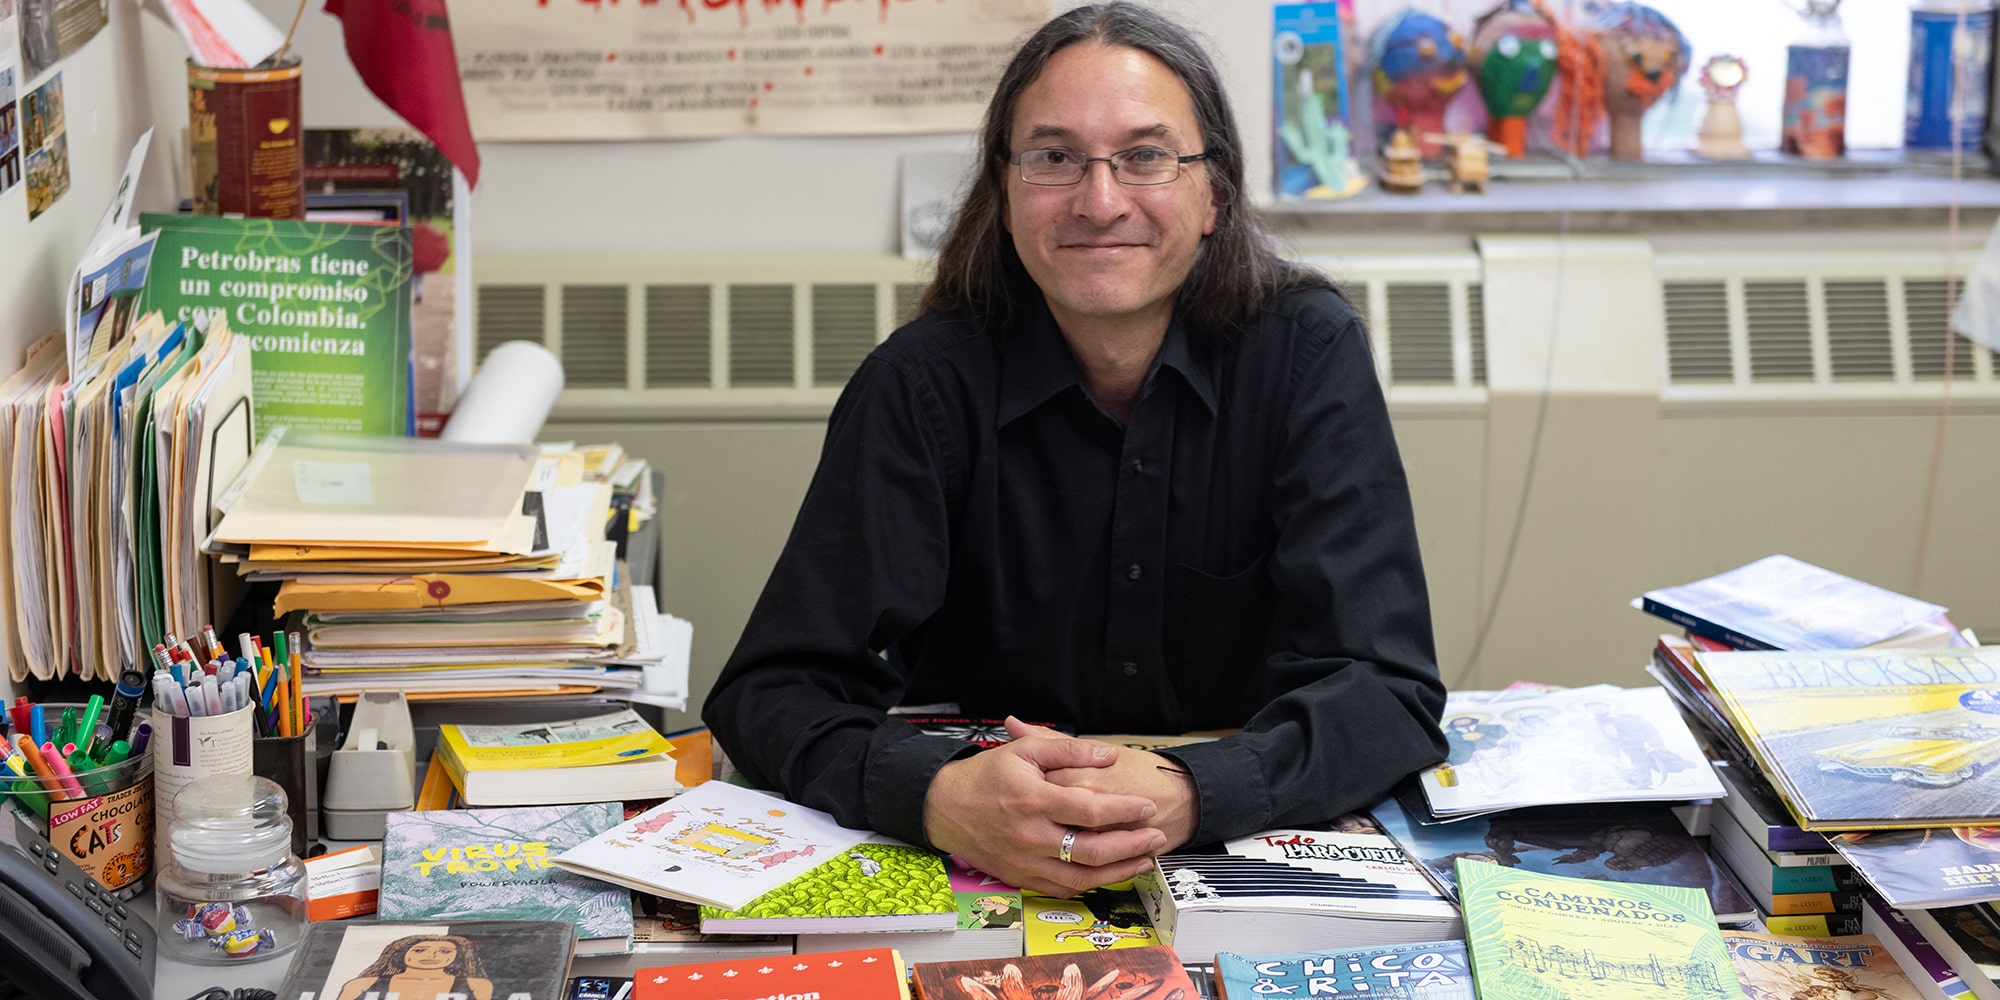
x=186, y=749
x=288, y=760
x=104, y=823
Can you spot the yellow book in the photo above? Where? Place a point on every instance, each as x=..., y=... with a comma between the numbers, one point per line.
x=616, y=756
x=1110, y=917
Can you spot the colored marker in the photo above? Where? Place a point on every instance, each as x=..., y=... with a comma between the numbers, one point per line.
x=118, y=752
x=23, y=714
x=60, y=770
x=141, y=737
x=298, y=686
x=23, y=784
x=67, y=734
x=100, y=741
x=38, y=724
x=87, y=774
x=125, y=701
x=88, y=727
x=39, y=765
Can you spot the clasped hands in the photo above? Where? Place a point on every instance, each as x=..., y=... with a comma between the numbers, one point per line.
x=1005, y=811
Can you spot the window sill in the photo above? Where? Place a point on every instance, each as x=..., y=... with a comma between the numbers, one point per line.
x=1672, y=192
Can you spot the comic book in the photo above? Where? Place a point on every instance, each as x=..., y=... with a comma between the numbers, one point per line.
x=1870, y=739
x=1532, y=936
x=1926, y=869
x=1770, y=965
x=1434, y=970
x=1640, y=842
x=431, y=959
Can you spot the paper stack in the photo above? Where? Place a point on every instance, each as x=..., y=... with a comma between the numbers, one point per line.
x=424, y=565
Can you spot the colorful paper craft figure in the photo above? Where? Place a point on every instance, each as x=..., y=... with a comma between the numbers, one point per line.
x=1513, y=55
x=1419, y=67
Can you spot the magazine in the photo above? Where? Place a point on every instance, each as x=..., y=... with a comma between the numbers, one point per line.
x=1926, y=869
x=1779, y=602
x=431, y=960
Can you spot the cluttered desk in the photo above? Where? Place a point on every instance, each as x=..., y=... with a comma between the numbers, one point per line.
x=1755, y=807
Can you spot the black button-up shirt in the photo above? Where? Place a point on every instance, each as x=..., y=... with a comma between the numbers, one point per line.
x=1242, y=553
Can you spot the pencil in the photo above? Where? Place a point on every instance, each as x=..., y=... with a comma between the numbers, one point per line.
x=298, y=687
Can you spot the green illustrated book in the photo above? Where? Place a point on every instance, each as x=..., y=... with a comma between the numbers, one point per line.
x=495, y=864
x=876, y=885
x=325, y=306
x=1542, y=937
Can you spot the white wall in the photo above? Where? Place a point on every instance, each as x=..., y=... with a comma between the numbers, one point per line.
x=104, y=93
x=754, y=195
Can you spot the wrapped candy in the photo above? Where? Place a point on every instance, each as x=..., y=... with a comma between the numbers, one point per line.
x=227, y=928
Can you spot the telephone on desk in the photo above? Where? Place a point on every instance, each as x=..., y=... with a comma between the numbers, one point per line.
x=64, y=936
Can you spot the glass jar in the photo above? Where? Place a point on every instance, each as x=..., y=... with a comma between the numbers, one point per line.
x=231, y=890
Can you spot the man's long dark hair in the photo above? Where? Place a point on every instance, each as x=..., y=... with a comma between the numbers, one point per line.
x=1236, y=271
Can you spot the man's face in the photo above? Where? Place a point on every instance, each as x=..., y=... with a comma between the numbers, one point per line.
x=1100, y=249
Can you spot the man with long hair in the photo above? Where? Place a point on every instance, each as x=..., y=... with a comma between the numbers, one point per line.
x=1129, y=471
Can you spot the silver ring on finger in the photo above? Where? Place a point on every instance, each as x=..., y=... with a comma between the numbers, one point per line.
x=1068, y=843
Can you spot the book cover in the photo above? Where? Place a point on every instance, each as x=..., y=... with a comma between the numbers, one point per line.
x=600, y=739
x=1779, y=602
x=1779, y=967
x=1612, y=843
x=1594, y=744
x=341, y=160
x=325, y=306
x=718, y=844
x=984, y=902
x=1920, y=961
x=876, y=885
x=1095, y=920
x=599, y=988
x=871, y=974
x=1530, y=935
x=1432, y=971
x=1291, y=890
x=985, y=732
x=431, y=960
x=1925, y=869
x=498, y=864
x=1870, y=740
x=1148, y=973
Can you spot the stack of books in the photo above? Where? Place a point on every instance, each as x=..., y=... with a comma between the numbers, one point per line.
x=1859, y=735
x=429, y=565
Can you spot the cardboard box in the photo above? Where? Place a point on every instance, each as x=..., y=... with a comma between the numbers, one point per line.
x=344, y=883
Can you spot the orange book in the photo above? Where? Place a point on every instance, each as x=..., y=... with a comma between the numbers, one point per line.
x=870, y=974
x=1153, y=972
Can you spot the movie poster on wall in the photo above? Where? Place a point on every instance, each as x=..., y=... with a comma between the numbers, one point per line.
x=574, y=70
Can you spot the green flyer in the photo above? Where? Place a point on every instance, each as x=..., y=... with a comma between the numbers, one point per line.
x=324, y=305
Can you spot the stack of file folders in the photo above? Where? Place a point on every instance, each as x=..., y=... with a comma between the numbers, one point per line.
x=433, y=566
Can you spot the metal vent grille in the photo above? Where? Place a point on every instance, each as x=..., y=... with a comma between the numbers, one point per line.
x=677, y=335
x=1698, y=332
x=1858, y=344
x=1475, y=327
x=509, y=312
x=1780, y=325
x=843, y=320
x=593, y=336
x=1925, y=305
x=909, y=298
x=1420, y=333
x=760, y=335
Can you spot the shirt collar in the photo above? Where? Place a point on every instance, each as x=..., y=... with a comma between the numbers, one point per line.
x=1035, y=363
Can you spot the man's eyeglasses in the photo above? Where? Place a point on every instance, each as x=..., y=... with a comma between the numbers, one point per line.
x=1055, y=166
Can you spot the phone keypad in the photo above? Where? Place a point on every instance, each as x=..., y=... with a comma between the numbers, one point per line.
x=101, y=901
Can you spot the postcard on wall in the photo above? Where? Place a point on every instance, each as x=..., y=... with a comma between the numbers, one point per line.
x=10, y=119
x=53, y=30
x=45, y=146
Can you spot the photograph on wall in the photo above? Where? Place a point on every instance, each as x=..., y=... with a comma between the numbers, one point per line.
x=10, y=128
x=543, y=72
x=52, y=30
x=45, y=146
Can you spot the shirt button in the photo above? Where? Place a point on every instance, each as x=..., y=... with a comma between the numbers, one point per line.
x=1138, y=465
x=1131, y=670
x=1133, y=573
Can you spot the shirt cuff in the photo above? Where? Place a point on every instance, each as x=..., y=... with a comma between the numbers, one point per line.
x=899, y=779
x=1229, y=787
